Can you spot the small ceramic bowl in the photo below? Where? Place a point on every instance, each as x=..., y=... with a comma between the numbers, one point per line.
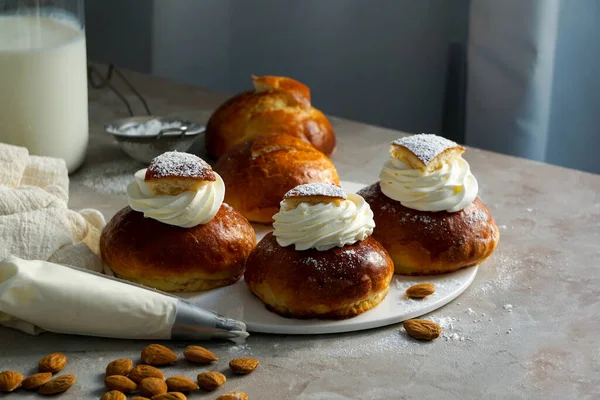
x=144, y=138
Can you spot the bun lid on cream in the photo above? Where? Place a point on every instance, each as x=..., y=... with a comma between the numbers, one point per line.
x=178, y=189
x=315, y=193
x=322, y=216
x=175, y=172
x=427, y=173
x=425, y=151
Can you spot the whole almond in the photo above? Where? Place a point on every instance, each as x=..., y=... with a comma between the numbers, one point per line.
x=422, y=329
x=36, y=380
x=54, y=362
x=9, y=381
x=120, y=383
x=170, y=396
x=420, y=290
x=181, y=384
x=235, y=395
x=122, y=366
x=145, y=371
x=209, y=381
x=59, y=384
x=152, y=386
x=113, y=395
x=199, y=355
x=243, y=366
x=157, y=354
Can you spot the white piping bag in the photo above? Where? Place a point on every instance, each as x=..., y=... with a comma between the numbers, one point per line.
x=42, y=296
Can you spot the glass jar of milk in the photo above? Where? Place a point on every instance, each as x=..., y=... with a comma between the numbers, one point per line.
x=43, y=78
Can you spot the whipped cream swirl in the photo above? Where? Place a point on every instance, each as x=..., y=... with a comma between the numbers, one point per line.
x=186, y=210
x=323, y=226
x=451, y=187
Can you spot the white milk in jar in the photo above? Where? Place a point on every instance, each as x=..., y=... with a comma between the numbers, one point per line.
x=43, y=86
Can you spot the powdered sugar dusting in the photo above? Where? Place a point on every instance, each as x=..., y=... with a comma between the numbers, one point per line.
x=424, y=146
x=149, y=128
x=450, y=330
x=317, y=189
x=507, y=270
x=477, y=216
x=242, y=349
x=179, y=164
x=110, y=177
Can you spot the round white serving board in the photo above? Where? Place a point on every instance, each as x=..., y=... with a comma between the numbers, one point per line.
x=236, y=301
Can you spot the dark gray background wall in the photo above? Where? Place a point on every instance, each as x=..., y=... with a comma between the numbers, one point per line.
x=120, y=31
x=574, y=134
x=383, y=62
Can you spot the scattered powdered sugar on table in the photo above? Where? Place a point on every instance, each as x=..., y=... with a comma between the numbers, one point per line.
x=448, y=329
x=425, y=146
x=243, y=349
x=107, y=177
x=506, y=270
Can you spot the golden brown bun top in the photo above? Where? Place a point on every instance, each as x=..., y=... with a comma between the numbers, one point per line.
x=425, y=151
x=298, y=92
x=175, y=172
x=259, y=172
x=277, y=104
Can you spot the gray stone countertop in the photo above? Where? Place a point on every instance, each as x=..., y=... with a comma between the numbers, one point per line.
x=527, y=328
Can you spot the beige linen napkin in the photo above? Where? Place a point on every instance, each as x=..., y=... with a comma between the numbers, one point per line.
x=35, y=222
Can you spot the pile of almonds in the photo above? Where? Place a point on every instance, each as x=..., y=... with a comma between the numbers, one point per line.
x=122, y=377
x=42, y=381
x=145, y=379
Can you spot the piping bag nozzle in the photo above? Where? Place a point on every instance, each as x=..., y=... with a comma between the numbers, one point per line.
x=193, y=322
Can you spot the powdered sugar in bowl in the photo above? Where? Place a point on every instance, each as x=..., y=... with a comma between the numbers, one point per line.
x=144, y=138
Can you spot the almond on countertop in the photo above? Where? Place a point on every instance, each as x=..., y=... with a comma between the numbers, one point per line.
x=59, y=384
x=113, y=395
x=170, y=396
x=157, y=354
x=199, y=355
x=243, y=366
x=145, y=371
x=54, y=362
x=120, y=383
x=235, y=395
x=420, y=290
x=152, y=386
x=210, y=381
x=34, y=381
x=422, y=329
x=9, y=381
x=181, y=384
x=122, y=366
